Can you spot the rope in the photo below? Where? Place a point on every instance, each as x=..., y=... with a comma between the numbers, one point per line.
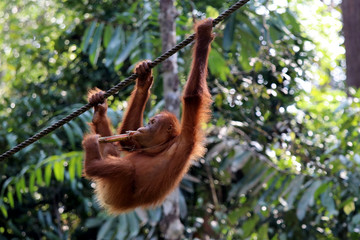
x=117, y=87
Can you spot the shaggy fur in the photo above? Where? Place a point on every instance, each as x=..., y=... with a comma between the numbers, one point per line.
x=155, y=163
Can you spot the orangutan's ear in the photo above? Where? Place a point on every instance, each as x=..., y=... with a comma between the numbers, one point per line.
x=170, y=128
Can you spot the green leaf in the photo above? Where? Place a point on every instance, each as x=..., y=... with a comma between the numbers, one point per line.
x=49, y=220
x=251, y=27
x=122, y=227
x=132, y=42
x=105, y=228
x=79, y=165
x=258, y=66
x=24, y=170
x=48, y=174
x=156, y=108
x=322, y=189
x=114, y=46
x=41, y=218
x=218, y=66
x=307, y=200
x=182, y=206
x=95, y=45
x=86, y=117
x=212, y=12
x=244, y=56
x=240, y=159
x=70, y=135
x=11, y=139
x=291, y=20
x=148, y=46
x=107, y=34
x=295, y=187
x=3, y=210
x=72, y=168
x=18, y=188
x=355, y=219
x=154, y=215
x=328, y=201
x=270, y=189
x=263, y=232
x=249, y=225
x=86, y=38
x=275, y=34
x=59, y=170
x=32, y=182
x=10, y=199
x=346, y=202
x=234, y=216
x=133, y=225
x=284, y=181
x=255, y=179
x=23, y=183
x=57, y=140
x=5, y=185
x=76, y=128
x=93, y=222
x=39, y=178
x=13, y=228
x=229, y=31
x=250, y=180
x=349, y=208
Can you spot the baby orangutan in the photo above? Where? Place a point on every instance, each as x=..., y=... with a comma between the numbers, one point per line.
x=157, y=155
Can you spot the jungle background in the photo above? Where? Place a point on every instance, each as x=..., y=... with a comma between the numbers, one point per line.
x=282, y=158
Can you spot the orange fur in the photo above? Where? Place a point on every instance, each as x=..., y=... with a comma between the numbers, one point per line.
x=163, y=149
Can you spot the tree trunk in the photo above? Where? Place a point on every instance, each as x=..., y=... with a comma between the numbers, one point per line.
x=167, y=17
x=170, y=225
x=351, y=23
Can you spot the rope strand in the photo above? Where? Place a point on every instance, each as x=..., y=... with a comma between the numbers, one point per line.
x=127, y=81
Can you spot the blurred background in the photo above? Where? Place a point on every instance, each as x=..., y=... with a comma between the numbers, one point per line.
x=282, y=157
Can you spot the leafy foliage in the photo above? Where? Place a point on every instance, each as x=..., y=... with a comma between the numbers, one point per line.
x=282, y=160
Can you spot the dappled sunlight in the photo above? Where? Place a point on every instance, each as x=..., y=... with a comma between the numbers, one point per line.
x=282, y=147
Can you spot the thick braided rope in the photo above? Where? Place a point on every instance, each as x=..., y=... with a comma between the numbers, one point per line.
x=127, y=81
